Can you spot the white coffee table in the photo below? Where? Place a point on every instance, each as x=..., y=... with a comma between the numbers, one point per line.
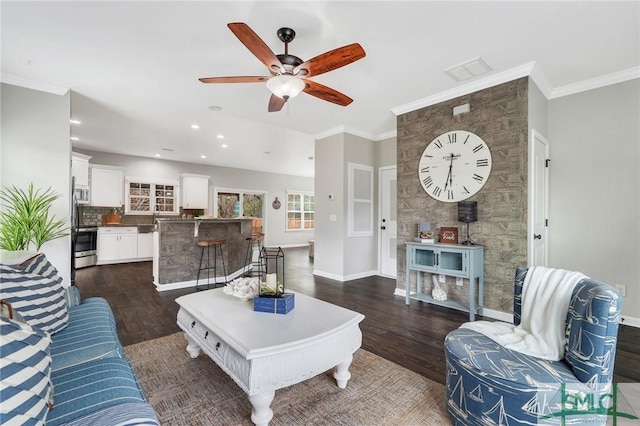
x=263, y=352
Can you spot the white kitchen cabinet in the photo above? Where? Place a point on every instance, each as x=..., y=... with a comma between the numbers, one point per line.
x=106, y=186
x=117, y=244
x=145, y=246
x=195, y=191
x=80, y=168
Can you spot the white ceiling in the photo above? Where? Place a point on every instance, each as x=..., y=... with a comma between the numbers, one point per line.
x=133, y=67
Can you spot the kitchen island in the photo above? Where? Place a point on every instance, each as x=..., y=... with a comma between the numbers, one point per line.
x=176, y=256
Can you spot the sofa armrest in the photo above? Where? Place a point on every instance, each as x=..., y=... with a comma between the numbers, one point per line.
x=72, y=296
x=592, y=331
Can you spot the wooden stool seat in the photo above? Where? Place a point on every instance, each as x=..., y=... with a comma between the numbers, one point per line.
x=217, y=248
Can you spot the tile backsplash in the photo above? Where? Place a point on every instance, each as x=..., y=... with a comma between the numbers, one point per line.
x=92, y=216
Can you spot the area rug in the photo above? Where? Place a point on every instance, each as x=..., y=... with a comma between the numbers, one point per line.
x=186, y=391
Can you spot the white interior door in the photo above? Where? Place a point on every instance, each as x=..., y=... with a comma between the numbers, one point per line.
x=538, y=200
x=388, y=246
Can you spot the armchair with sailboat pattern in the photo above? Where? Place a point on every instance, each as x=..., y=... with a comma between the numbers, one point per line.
x=489, y=384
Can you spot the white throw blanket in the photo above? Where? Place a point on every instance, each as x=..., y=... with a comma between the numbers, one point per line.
x=546, y=294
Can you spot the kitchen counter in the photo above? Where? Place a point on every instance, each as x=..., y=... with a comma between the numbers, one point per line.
x=176, y=255
x=200, y=219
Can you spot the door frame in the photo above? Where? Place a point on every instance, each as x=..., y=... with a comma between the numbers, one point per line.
x=380, y=170
x=531, y=202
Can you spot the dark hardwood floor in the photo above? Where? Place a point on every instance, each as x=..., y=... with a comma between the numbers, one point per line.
x=411, y=336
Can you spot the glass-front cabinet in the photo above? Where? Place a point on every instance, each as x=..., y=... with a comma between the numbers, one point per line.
x=448, y=261
x=451, y=260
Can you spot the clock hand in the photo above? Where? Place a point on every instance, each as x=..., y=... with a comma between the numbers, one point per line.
x=449, y=176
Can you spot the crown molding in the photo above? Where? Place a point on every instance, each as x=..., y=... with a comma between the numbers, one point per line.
x=33, y=84
x=386, y=135
x=595, y=83
x=355, y=132
x=329, y=132
x=465, y=89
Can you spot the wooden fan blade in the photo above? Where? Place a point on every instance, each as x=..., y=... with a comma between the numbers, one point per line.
x=237, y=79
x=254, y=43
x=326, y=93
x=330, y=61
x=276, y=103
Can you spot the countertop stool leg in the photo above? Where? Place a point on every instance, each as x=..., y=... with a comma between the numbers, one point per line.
x=218, y=246
x=202, y=245
x=253, y=268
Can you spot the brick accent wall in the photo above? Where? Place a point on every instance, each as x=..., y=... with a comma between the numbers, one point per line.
x=499, y=115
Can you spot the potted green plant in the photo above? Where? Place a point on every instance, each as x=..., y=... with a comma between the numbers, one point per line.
x=25, y=220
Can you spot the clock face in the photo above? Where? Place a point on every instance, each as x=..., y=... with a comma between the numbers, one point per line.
x=454, y=166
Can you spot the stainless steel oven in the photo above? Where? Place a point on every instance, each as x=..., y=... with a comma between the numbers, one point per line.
x=85, y=245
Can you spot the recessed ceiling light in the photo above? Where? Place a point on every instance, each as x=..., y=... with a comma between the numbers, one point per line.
x=215, y=108
x=267, y=152
x=203, y=156
x=224, y=145
x=310, y=158
x=195, y=126
x=157, y=155
x=74, y=121
x=220, y=136
x=74, y=138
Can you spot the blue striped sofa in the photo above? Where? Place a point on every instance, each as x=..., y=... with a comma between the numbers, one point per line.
x=489, y=384
x=90, y=382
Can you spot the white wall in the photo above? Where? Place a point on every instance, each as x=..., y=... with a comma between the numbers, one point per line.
x=36, y=148
x=386, y=153
x=329, y=180
x=538, y=110
x=274, y=185
x=595, y=186
x=338, y=256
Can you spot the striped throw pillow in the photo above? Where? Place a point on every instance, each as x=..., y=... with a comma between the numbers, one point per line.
x=40, y=300
x=25, y=384
x=40, y=265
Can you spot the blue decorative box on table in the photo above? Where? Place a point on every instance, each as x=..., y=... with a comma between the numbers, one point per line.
x=275, y=305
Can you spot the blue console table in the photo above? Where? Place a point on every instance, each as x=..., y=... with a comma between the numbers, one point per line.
x=447, y=259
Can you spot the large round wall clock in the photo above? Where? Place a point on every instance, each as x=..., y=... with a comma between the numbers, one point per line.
x=454, y=166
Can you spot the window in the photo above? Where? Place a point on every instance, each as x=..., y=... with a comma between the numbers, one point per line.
x=360, y=213
x=245, y=203
x=143, y=195
x=300, y=211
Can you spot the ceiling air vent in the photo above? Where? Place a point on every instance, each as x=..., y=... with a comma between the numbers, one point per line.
x=469, y=69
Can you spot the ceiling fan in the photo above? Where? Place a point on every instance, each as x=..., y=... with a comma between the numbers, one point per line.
x=290, y=74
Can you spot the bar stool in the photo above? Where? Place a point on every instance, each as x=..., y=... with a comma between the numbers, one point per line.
x=253, y=242
x=217, y=248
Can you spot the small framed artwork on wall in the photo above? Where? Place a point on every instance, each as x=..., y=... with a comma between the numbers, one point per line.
x=448, y=235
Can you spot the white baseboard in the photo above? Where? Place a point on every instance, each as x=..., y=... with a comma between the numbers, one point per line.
x=497, y=315
x=192, y=283
x=343, y=278
x=400, y=292
x=630, y=321
x=289, y=245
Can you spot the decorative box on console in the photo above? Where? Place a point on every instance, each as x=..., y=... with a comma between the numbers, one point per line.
x=275, y=305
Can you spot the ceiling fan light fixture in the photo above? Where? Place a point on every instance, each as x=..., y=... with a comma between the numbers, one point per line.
x=285, y=86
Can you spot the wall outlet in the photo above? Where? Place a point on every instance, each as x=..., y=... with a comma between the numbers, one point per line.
x=442, y=278
x=622, y=289
x=459, y=281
